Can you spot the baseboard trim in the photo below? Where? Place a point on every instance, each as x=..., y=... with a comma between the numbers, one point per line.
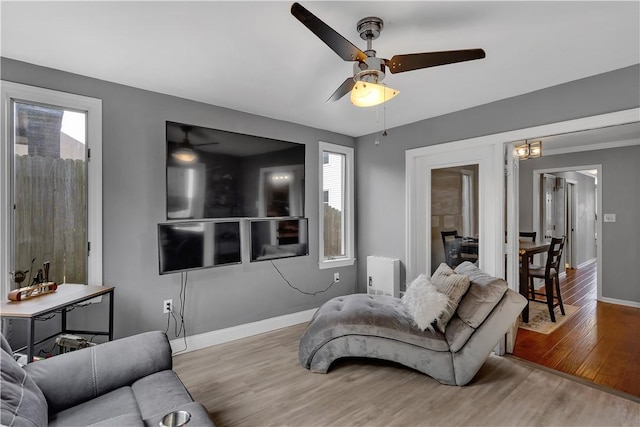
x=620, y=302
x=221, y=336
x=586, y=263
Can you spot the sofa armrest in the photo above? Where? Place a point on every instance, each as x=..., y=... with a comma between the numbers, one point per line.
x=72, y=378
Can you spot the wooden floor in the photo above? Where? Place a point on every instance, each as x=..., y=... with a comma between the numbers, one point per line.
x=258, y=381
x=600, y=343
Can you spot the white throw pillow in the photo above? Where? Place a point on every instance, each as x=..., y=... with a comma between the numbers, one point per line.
x=424, y=303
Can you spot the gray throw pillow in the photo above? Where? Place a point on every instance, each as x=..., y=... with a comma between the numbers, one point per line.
x=484, y=294
x=23, y=404
x=454, y=286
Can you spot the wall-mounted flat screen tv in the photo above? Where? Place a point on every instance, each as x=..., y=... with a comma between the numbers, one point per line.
x=193, y=245
x=279, y=238
x=213, y=173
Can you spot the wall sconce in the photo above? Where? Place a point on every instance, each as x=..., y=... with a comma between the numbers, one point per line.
x=529, y=150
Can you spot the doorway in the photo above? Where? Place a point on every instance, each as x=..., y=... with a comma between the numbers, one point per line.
x=450, y=189
x=584, y=344
x=564, y=202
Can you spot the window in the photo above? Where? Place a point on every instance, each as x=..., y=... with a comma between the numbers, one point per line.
x=336, y=215
x=51, y=198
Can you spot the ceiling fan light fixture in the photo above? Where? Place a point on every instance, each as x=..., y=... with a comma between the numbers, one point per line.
x=185, y=155
x=367, y=94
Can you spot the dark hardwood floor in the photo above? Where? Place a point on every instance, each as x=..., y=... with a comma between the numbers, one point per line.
x=599, y=344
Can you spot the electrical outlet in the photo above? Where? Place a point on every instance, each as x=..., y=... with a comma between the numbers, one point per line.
x=336, y=277
x=167, y=306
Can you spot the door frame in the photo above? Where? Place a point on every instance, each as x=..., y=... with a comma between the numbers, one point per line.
x=537, y=219
x=424, y=160
x=498, y=141
x=571, y=198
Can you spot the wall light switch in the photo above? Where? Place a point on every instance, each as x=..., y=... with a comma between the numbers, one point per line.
x=609, y=217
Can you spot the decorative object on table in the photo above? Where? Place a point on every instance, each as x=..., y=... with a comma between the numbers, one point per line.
x=540, y=321
x=32, y=291
x=40, y=286
x=20, y=275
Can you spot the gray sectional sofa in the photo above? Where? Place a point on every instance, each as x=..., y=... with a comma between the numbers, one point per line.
x=126, y=382
x=380, y=327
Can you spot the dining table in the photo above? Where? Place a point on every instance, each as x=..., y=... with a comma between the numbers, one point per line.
x=527, y=249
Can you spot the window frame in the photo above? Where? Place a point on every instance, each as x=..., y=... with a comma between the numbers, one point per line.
x=10, y=92
x=349, y=203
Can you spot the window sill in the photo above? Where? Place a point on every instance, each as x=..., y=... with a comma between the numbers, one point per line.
x=335, y=263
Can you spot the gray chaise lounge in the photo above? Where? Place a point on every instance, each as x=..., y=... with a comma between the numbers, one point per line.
x=379, y=327
x=126, y=382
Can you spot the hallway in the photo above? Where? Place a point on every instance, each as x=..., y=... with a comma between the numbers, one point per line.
x=599, y=344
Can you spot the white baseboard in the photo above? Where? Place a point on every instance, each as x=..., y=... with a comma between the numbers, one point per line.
x=620, y=302
x=207, y=339
x=586, y=263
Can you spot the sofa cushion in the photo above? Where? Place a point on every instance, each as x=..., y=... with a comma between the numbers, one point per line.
x=128, y=420
x=458, y=333
x=118, y=402
x=158, y=393
x=23, y=404
x=4, y=345
x=484, y=294
x=424, y=303
x=454, y=286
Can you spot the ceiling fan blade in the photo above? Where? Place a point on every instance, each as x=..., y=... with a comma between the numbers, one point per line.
x=416, y=61
x=343, y=47
x=344, y=89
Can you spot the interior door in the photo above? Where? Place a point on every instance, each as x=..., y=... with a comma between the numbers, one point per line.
x=570, y=231
x=512, y=229
x=548, y=205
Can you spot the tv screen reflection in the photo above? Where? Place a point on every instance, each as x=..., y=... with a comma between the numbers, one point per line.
x=279, y=238
x=218, y=174
x=186, y=246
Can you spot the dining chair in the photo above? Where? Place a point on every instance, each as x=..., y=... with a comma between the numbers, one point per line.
x=451, y=243
x=528, y=235
x=549, y=272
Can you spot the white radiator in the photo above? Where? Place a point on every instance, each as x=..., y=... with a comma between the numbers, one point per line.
x=383, y=276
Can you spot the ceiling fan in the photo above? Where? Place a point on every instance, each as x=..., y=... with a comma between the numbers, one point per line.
x=368, y=70
x=185, y=150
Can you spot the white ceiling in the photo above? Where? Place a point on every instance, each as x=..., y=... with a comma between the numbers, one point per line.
x=256, y=57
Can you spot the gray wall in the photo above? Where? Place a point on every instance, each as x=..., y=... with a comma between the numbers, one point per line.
x=134, y=203
x=620, y=195
x=380, y=167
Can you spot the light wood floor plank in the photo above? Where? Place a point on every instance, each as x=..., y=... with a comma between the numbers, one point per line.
x=258, y=381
